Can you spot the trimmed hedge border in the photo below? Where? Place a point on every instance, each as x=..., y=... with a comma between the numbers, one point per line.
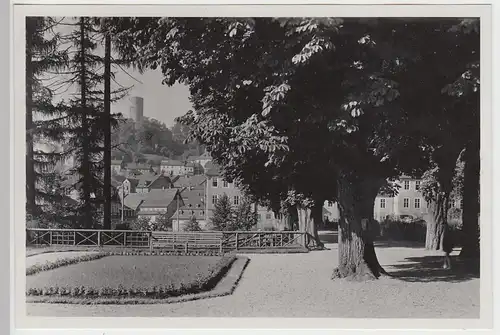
x=272, y=251
x=226, y=286
x=62, y=262
x=203, y=282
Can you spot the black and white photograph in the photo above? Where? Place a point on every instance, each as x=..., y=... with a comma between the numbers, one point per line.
x=253, y=166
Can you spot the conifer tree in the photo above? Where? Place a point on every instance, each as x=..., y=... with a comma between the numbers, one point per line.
x=222, y=216
x=192, y=225
x=44, y=119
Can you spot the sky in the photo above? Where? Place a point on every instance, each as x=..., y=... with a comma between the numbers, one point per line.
x=161, y=102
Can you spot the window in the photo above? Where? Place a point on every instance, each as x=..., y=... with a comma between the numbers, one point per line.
x=268, y=216
x=407, y=184
x=382, y=203
x=406, y=202
x=417, y=185
x=214, y=182
x=417, y=203
x=236, y=200
x=225, y=183
x=214, y=198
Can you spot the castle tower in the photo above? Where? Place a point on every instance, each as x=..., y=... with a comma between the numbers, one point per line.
x=137, y=110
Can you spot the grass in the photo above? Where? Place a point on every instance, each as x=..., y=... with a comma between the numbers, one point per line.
x=131, y=276
x=127, y=271
x=224, y=287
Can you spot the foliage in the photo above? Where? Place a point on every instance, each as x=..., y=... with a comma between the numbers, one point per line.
x=191, y=283
x=44, y=118
x=130, y=143
x=323, y=108
x=222, y=214
x=192, y=225
x=162, y=223
x=142, y=223
x=244, y=216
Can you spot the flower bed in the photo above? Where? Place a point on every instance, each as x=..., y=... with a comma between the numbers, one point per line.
x=152, y=277
x=62, y=262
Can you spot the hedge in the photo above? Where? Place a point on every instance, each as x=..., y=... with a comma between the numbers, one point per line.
x=203, y=282
x=62, y=262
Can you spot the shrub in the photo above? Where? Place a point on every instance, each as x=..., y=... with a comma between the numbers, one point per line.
x=403, y=229
x=192, y=225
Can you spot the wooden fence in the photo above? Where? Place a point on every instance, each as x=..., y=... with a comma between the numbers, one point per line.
x=231, y=240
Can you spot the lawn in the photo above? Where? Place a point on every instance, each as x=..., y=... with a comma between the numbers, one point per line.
x=129, y=275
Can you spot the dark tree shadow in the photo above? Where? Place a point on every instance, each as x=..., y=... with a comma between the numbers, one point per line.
x=329, y=236
x=429, y=269
x=397, y=244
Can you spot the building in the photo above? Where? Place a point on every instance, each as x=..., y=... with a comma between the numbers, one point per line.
x=138, y=168
x=147, y=183
x=136, y=112
x=160, y=202
x=116, y=165
x=201, y=160
x=194, y=206
x=193, y=182
x=409, y=202
x=331, y=211
x=216, y=186
x=176, y=168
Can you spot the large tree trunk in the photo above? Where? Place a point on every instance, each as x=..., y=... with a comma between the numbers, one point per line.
x=293, y=218
x=30, y=164
x=436, y=222
x=357, y=258
x=308, y=225
x=107, y=133
x=471, y=207
x=86, y=172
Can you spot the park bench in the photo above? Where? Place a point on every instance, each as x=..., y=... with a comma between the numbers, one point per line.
x=186, y=241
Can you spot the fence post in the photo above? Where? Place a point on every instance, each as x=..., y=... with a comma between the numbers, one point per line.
x=220, y=247
x=124, y=239
x=150, y=241
x=260, y=240
x=281, y=239
x=50, y=238
x=74, y=237
x=186, y=247
x=98, y=238
x=237, y=241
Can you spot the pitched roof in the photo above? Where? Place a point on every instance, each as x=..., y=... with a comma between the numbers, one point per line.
x=212, y=169
x=205, y=155
x=134, y=200
x=146, y=179
x=160, y=198
x=171, y=162
x=193, y=198
x=189, y=181
x=138, y=166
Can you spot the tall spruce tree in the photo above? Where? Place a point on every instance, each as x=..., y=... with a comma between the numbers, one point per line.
x=89, y=113
x=44, y=119
x=222, y=214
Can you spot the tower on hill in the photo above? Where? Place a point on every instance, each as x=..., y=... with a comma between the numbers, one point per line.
x=136, y=112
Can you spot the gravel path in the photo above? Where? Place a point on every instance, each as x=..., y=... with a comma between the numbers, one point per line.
x=54, y=256
x=299, y=285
